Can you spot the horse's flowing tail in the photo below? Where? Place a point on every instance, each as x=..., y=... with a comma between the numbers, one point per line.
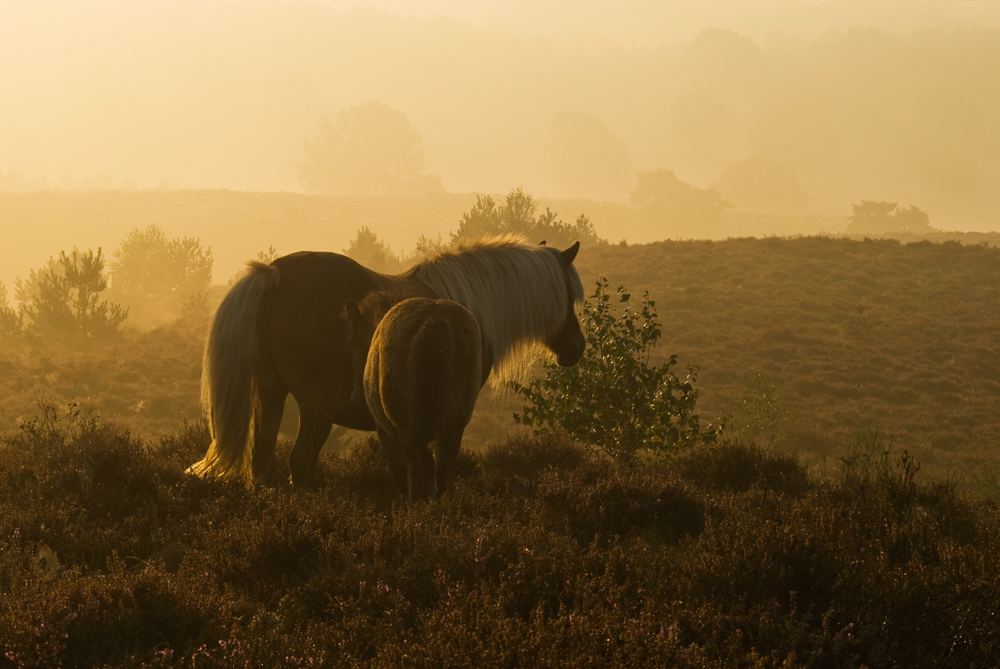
x=228, y=391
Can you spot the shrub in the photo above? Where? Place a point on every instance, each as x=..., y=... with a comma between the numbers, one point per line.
x=516, y=216
x=11, y=321
x=613, y=399
x=739, y=466
x=66, y=300
x=762, y=411
x=372, y=252
x=152, y=274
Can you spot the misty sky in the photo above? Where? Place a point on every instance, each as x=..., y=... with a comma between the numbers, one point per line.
x=835, y=101
x=222, y=94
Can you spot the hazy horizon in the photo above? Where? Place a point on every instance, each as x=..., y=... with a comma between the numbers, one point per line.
x=780, y=105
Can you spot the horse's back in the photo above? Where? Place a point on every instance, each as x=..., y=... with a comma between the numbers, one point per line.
x=302, y=333
x=428, y=360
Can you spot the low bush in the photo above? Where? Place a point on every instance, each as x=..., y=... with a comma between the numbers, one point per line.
x=612, y=398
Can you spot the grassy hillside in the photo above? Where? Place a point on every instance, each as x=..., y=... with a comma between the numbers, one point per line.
x=542, y=555
x=849, y=335
x=805, y=342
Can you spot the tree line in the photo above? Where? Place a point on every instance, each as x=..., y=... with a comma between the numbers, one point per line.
x=152, y=280
x=516, y=214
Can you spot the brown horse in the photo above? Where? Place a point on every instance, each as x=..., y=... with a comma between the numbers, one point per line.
x=279, y=329
x=418, y=368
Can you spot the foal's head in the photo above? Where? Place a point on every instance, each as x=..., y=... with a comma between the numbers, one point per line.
x=362, y=319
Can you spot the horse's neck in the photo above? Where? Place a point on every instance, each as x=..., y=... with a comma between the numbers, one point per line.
x=408, y=286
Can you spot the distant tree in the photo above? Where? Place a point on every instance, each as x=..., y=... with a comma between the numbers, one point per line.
x=586, y=157
x=367, y=149
x=189, y=267
x=762, y=412
x=268, y=256
x=913, y=220
x=154, y=275
x=26, y=290
x=426, y=248
x=675, y=203
x=13, y=181
x=139, y=265
x=67, y=300
x=11, y=320
x=516, y=215
x=483, y=219
x=871, y=217
x=760, y=184
x=554, y=232
x=103, y=181
x=372, y=252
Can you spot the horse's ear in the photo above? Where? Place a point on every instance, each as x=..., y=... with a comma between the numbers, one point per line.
x=352, y=313
x=569, y=255
x=541, y=243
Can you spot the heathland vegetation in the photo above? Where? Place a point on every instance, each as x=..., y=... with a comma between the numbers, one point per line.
x=544, y=554
x=842, y=517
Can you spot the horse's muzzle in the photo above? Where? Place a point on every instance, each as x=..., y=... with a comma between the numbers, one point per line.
x=571, y=357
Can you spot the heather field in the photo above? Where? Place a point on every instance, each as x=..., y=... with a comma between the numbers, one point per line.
x=542, y=555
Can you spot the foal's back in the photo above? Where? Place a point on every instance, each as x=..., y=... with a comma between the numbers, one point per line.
x=424, y=369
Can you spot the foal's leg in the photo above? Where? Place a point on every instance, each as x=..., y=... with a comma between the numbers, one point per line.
x=423, y=486
x=447, y=453
x=399, y=465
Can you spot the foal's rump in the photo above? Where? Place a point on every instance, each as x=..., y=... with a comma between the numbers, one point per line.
x=427, y=357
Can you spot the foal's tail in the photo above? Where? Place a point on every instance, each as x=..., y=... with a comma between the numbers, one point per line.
x=228, y=390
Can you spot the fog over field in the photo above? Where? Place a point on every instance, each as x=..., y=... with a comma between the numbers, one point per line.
x=780, y=106
x=734, y=401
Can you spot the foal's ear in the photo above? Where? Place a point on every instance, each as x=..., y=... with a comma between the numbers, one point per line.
x=352, y=313
x=570, y=254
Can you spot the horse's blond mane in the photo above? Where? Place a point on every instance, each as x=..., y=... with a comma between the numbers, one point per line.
x=516, y=291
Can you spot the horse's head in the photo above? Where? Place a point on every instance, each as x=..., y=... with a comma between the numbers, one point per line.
x=568, y=343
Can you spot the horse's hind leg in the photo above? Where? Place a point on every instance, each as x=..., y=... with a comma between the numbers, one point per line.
x=265, y=438
x=314, y=428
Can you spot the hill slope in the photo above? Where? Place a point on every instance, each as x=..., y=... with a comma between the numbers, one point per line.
x=804, y=341
x=904, y=338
